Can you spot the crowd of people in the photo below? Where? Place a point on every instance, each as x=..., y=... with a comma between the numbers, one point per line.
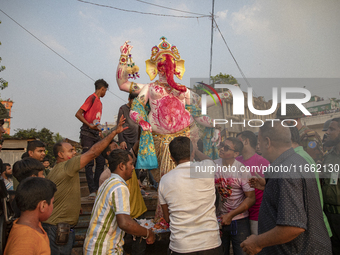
x=276, y=192
x=255, y=211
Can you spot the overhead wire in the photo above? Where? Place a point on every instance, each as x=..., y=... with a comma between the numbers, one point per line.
x=164, y=7
x=54, y=51
x=232, y=55
x=106, y=6
x=201, y=16
x=146, y=13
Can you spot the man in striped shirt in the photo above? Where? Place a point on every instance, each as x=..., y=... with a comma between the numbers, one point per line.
x=110, y=217
x=6, y=174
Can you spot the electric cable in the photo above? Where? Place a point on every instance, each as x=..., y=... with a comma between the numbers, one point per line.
x=173, y=8
x=238, y=66
x=147, y=13
x=55, y=51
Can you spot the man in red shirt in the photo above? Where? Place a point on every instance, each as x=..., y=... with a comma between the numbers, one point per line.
x=90, y=114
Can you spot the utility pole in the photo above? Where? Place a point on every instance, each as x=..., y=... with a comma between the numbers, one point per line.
x=212, y=37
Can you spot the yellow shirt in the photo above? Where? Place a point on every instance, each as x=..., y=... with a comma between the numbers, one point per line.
x=137, y=204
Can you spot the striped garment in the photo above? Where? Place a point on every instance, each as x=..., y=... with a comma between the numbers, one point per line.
x=9, y=184
x=104, y=235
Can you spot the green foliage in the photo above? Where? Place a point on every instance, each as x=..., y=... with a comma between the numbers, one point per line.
x=58, y=138
x=223, y=79
x=217, y=79
x=5, y=135
x=44, y=135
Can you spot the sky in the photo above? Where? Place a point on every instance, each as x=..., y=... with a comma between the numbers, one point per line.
x=268, y=39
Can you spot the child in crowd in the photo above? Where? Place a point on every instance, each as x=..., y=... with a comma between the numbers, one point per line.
x=28, y=167
x=34, y=198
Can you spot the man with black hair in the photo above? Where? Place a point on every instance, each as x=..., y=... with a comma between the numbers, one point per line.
x=46, y=163
x=290, y=218
x=129, y=137
x=65, y=174
x=110, y=217
x=22, y=169
x=187, y=199
x=237, y=196
x=255, y=162
x=137, y=204
x=7, y=176
x=331, y=183
x=90, y=115
x=24, y=155
x=36, y=150
x=34, y=198
x=28, y=167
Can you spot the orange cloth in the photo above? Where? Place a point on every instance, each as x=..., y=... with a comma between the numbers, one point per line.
x=26, y=240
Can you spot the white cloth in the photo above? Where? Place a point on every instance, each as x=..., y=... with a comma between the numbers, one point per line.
x=193, y=222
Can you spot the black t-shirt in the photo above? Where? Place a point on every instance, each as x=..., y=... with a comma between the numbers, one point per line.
x=130, y=135
x=292, y=199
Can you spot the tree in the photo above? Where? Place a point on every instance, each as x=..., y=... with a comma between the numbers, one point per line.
x=217, y=79
x=45, y=135
x=223, y=79
x=58, y=138
x=3, y=82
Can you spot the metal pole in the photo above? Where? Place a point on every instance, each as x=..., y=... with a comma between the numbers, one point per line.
x=212, y=37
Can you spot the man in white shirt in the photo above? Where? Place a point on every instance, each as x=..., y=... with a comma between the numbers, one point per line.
x=187, y=199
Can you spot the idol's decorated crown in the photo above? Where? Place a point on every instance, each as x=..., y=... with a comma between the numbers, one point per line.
x=157, y=53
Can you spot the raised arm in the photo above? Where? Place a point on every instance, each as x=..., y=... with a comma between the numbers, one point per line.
x=98, y=147
x=122, y=75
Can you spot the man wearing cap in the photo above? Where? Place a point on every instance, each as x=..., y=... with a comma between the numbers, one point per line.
x=309, y=139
